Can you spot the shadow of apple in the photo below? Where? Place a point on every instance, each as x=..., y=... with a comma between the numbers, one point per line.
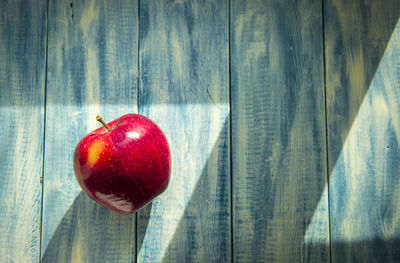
x=90, y=229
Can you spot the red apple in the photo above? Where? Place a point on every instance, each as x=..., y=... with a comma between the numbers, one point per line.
x=125, y=164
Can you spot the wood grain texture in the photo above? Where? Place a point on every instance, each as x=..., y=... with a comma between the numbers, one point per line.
x=363, y=81
x=184, y=85
x=92, y=69
x=278, y=132
x=22, y=84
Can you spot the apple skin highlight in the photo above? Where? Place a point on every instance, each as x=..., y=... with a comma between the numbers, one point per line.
x=126, y=167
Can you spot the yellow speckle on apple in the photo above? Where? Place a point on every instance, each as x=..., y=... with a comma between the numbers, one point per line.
x=95, y=149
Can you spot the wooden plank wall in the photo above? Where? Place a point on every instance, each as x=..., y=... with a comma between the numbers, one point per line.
x=278, y=131
x=363, y=85
x=283, y=119
x=184, y=87
x=22, y=85
x=92, y=69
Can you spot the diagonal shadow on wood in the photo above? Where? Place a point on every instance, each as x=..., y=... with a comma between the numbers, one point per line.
x=207, y=215
x=84, y=213
x=73, y=238
x=275, y=223
x=364, y=204
x=89, y=231
x=356, y=37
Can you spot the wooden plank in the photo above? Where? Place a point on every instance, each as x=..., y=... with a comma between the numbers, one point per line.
x=184, y=88
x=22, y=84
x=363, y=106
x=278, y=132
x=92, y=69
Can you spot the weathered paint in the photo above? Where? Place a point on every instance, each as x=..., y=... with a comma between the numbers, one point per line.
x=363, y=83
x=22, y=84
x=184, y=89
x=91, y=70
x=278, y=132
x=280, y=192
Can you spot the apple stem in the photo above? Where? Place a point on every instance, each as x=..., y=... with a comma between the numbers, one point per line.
x=100, y=119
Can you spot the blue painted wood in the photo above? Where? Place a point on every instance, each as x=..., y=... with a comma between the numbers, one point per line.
x=280, y=194
x=92, y=69
x=184, y=88
x=363, y=81
x=22, y=84
x=280, y=209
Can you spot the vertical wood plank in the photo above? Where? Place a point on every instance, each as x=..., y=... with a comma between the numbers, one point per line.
x=363, y=106
x=184, y=88
x=22, y=84
x=92, y=69
x=278, y=132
